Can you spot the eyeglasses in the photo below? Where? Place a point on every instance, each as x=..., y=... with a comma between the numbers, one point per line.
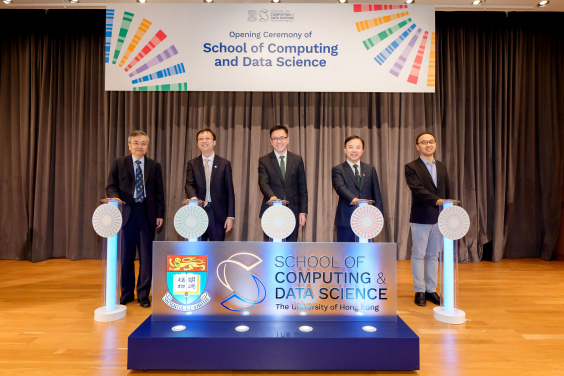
x=137, y=144
x=204, y=139
x=425, y=142
x=276, y=139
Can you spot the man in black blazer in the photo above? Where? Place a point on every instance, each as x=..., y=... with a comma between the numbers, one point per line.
x=428, y=180
x=282, y=177
x=213, y=184
x=138, y=181
x=353, y=181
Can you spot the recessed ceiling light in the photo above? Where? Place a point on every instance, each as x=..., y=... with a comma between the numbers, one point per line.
x=477, y=2
x=274, y=1
x=142, y=1
x=409, y=1
x=543, y=3
x=74, y=1
x=6, y=1
x=208, y=1
x=342, y=1
x=178, y=328
x=242, y=328
x=305, y=328
x=369, y=328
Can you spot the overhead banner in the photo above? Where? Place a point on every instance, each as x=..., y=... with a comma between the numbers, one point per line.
x=274, y=281
x=270, y=47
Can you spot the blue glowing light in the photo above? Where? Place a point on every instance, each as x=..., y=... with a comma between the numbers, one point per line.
x=111, y=268
x=448, y=271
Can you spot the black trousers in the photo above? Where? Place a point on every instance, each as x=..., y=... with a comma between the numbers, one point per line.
x=345, y=235
x=216, y=230
x=137, y=234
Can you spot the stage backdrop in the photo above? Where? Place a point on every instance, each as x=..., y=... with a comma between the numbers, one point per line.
x=270, y=47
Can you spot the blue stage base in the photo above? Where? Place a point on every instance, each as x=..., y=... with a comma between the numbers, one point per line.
x=273, y=345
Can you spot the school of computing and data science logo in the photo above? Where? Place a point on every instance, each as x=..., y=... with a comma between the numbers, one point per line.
x=247, y=290
x=273, y=15
x=186, y=278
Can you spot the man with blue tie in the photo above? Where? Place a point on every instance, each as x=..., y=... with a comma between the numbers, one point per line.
x=138, y=181
x=353, y=181
x=427, y=179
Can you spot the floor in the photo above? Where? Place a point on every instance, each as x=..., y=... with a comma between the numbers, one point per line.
x=515, y=312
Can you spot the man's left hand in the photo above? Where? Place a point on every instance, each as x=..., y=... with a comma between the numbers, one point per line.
x=159, y=222
x=302, y=220
x=228, y=224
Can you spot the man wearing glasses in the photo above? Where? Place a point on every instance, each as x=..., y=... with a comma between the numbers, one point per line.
x=209, y=178
x=138, y=181
x=282, y=177
x=428, y=180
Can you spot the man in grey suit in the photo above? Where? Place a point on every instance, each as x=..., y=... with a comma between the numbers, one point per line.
x=353, y=181
x=282, y=177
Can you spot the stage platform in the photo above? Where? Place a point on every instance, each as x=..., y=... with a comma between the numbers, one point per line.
x=273, y=345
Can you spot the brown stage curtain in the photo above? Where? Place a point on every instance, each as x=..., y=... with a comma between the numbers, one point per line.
x=497, y=114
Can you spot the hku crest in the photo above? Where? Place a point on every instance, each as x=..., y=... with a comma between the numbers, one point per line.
x=186, y=279
x=252, y=16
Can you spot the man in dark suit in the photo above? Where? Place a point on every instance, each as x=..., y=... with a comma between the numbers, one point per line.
x=353, y=180
x=138, y=181
x=428, y=180
x=282, y=177
x=209, y=178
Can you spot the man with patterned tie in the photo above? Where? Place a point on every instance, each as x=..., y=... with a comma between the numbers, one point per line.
x=138, y=181
x=428, y=181
x=353, y=180
x=209, y=178
x=282, y=177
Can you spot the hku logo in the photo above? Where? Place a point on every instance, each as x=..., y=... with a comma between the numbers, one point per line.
x=263, y=14
x=186, y=280
x=252, y=16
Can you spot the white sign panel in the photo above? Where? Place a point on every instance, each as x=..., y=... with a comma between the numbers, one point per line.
x=270, y=47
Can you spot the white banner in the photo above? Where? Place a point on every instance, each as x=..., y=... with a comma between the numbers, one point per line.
x=270, y=47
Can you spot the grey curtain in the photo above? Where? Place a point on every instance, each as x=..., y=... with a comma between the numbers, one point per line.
x=497, y=115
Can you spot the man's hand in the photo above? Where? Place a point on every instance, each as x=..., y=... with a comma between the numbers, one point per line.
x=228, y=224
x=440, y=202
x=159, y=222
x=302, y=220
x=355, y=201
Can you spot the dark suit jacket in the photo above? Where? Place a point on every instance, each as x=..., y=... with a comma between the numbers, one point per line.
x=424, y=193
x=344, y=183
x=294, y=186
x=221, y=185
x=121, y=184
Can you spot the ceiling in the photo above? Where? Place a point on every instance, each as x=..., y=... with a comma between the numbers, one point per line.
x=441, y=5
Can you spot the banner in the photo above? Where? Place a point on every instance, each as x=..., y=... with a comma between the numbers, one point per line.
x=270, y=47
x=274, y=281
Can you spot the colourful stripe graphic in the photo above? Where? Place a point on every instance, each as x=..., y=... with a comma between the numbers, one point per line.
x=383, y=56
x=175, y=69
x=414, y=75
x=109, y=27
x=398, y=65
x=371, y=42
x=158, y=38
x=431, y=76
x=145, y=25
x=125, y=23
x=376, y=7
x=166, y=54
x=170, y=87
x=365, y=25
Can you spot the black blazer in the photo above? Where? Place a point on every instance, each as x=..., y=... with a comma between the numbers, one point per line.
x=293, y=188
x=344, y=183
x=121, y=184
x=424, y=193
x=221, y=185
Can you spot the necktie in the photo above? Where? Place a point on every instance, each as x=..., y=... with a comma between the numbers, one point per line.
x=139, y=184
x=357, y=175
x=207, y=169
x=283, y=168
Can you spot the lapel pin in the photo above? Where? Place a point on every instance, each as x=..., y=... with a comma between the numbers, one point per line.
x=215, y=166
x=363, y=175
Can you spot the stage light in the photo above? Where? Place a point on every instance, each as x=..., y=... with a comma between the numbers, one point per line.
x=477, y=2
x=342, y=1
x=543, y=3
x=409, y=1
x=142, y=1
x=275, y=1
x=6, y=1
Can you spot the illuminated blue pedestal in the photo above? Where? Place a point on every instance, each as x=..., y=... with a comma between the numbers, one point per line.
x=273, y=345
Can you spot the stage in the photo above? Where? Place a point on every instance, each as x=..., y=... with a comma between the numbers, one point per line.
x=514, y=310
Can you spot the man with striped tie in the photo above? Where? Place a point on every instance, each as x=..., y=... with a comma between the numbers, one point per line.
x=209, y=178
x=353, y=180
x=138, y=181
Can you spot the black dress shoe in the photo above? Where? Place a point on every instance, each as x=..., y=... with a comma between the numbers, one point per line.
x=433, y=297
x=145, y=302
x=124, y=301
x=420, y=299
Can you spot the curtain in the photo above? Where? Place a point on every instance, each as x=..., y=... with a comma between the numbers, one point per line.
x=495, y=114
